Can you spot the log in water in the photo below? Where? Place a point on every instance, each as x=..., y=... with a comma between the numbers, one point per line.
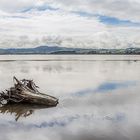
x=26, y=91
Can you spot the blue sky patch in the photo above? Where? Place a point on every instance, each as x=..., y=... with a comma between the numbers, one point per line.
x=115, y=21
x=46, y=7
x=40, y=8
x=83, y=14
x=107, y=19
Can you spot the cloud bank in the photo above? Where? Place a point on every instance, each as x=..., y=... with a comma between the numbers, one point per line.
x=81, y=23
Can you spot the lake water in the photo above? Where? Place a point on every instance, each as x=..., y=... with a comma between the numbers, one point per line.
x=99, y=98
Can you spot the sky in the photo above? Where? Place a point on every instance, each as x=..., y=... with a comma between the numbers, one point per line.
x=70, y=23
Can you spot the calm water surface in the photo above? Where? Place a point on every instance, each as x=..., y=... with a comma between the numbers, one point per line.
x=99, y=98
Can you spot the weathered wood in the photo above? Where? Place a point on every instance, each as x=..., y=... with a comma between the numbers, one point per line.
x=26, y=91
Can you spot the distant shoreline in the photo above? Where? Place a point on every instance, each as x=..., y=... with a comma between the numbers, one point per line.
x=56, y=50
x=68, y=54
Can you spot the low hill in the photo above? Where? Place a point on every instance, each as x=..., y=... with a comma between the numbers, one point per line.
x=64, y=50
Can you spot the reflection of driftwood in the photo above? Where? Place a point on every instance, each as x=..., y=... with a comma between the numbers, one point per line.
x=20, y=110
x=26, y=91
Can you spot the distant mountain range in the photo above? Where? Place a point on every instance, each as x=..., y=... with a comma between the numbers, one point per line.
x=64, y=50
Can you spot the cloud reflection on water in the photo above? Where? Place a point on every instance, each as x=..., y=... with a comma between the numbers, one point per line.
x=113, y=115
x=106, y=87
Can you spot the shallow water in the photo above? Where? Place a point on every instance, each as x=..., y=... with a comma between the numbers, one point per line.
x=99, y=98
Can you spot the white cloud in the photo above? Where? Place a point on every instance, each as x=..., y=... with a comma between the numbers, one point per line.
x=122, y=9
x=15, y=5
x=56, y=25
x=64, y=28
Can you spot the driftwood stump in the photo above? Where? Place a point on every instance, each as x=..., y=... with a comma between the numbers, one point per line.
x=26, y=91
